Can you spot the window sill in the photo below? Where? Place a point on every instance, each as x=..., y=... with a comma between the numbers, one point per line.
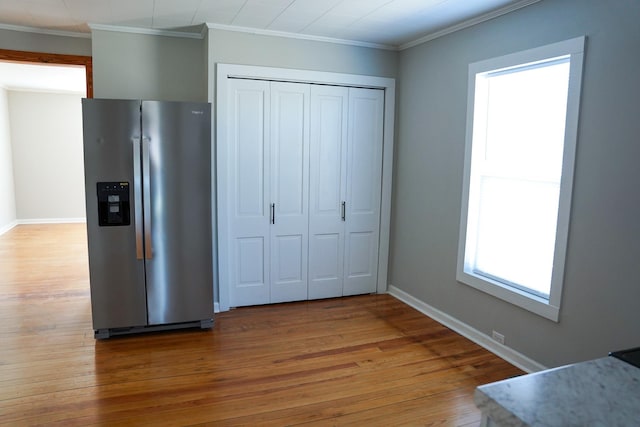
x=529, y=302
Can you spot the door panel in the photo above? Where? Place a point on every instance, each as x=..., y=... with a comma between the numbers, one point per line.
x=250, y=270
x=289, y=152
x=110, y=130
x=288, y=252
x=364, y=181
x=288, y=281
x=179, y=261
x=250, y=256
x=289, y=148
x=327, y=190
x=360, y=260
x=250, y=152
x=248, y=197
x=325, y=268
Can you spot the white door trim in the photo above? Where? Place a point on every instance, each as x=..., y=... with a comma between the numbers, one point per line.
x=225, y=71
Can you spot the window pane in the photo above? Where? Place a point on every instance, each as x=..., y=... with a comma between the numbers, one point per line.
x=526, y=111
x=516, y=231
x=518, y=173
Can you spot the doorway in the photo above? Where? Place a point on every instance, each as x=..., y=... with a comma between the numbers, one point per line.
x=52, y=59
x=40, y=137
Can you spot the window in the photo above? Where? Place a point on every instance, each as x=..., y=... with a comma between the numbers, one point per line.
x=520, y=147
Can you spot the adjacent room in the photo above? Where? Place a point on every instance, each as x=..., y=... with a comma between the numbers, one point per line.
x=393, y=206
x=48, y=95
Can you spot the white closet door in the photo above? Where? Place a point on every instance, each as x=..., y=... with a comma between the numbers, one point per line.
x=248, y=192
x=289, y=191
x=328, y=189
x=364, y=181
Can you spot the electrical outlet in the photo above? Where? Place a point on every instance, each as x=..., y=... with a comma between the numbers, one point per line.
x=497, y=337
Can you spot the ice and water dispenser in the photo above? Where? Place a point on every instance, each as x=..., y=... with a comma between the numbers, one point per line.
x=113, y=204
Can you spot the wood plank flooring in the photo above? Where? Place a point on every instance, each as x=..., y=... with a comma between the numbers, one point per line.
x=366, y=361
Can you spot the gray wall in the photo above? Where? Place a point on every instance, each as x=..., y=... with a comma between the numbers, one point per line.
x=48, y=167
x=251, y=49
x=232, y=47
x=601, y=292
x=141, y=66
x=7, y=191
x=32, y=42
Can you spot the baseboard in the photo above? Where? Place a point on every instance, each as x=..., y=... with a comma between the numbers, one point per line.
x=8, y=227
x=51, y=221
x=216, y=307
x=483, y=340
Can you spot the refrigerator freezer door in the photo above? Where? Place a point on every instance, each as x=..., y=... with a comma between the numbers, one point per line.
x=179, y=267
x=111, y=132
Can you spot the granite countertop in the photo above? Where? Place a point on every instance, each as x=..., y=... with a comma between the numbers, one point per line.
x=602, y=392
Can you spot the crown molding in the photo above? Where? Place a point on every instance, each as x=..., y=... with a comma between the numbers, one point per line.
x=468, y=23
x=299, y=36
x=45, y=31
x=146, y=31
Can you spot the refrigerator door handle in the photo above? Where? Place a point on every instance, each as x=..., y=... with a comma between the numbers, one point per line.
x=146, y=183
x=137, y=196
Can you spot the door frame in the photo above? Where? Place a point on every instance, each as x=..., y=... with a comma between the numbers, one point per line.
x=42, y=58
x=226, y=71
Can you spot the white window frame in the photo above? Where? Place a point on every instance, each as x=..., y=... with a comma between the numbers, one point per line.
x=548, y=308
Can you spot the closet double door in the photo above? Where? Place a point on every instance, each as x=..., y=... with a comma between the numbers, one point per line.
x=345, y=188
x=303, y=191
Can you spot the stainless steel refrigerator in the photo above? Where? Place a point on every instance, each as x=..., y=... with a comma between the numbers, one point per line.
x=148, y=199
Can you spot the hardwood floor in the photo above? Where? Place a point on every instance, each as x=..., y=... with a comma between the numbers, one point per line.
x=367, y=360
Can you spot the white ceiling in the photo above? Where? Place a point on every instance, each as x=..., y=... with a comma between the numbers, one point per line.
x=392, y=23
x=385, y=23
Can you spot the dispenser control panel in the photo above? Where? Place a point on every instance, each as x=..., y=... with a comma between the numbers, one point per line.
x=113, y=204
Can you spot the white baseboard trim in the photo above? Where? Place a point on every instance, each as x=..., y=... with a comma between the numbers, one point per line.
x=51, y=221
x=216, y=307
x=483, y=340
x=8, y=227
